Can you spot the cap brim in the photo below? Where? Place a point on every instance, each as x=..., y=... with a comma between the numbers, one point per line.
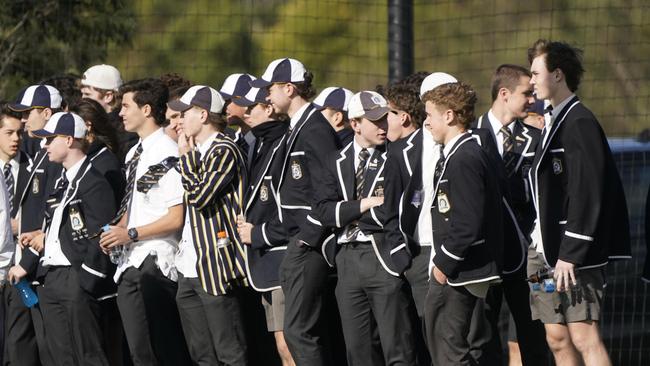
x=225, y=96
x=260, y=83
x=377, y=113
x=319, y=107
x=18, y=107
x=43, y=133
x=242, y=102
x=177, y=105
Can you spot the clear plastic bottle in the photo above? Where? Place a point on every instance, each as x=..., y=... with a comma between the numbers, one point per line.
x=116, y=252
x=222, y=239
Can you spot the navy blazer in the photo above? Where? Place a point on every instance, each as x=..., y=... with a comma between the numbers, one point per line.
x=518, y=210
x=88, y=206
x=268, y=237
x=336, y=207
x=301, y=163
x=467, y=216
x=578, y=193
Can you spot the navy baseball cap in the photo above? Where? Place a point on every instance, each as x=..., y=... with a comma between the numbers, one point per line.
x=63, y=124
x=537, y=107
x=199, y=96
x=254, y=96
x=282, y=70
x=236, y=86
x=37, y=96
x=333, y=97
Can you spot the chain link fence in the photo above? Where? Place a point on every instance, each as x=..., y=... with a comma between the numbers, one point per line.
x=345, y=43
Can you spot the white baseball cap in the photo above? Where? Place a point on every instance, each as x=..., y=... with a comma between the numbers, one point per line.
x=333, y=97
x=102, y=76
x=435, y=80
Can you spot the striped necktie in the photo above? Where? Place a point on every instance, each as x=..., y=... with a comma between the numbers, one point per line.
x=154, y=173
x=130, y=180
x=440, y=164
x=359, y=178
x=361, y=169
x=509, y=156
x=9, y=182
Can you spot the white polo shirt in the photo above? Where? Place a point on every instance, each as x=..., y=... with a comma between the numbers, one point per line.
x=150, y=207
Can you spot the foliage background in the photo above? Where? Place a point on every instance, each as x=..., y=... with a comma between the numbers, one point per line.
x=344, y=42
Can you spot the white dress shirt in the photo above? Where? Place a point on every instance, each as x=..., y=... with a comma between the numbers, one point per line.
x=361, y=237
x=53, y=255
x=186, y=257
x=430, y=156
x=15, y=167
x=150, y=207
x=297, y=116
x=7, y=246
x=496, y=125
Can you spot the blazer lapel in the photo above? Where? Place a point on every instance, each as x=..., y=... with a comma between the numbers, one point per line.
x=522, y=141
x=293, y=135
x=257, y=181
x=345, y=171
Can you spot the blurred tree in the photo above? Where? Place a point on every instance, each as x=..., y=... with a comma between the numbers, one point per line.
x=41, y=38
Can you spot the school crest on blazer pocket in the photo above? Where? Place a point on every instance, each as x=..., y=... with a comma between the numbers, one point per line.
x=76, y=221
x=443, y=203
x=296, y=170
x=264, y=193
x=557, y=166
x=35, y=185
x=379, y=191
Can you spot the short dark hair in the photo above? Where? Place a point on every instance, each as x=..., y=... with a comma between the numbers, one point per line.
x=68, y=87
x=177, y=92
x=507, y=76
x=218, y=121
x=174, y=80
x=560, y=55
x=8, y=112
x=459, y=97
x=149, y=91
x=305, y=89
x=406, y=97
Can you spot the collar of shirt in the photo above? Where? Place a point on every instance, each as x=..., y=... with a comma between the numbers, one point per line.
x=357, y=150
x=298, y=115
x=151, y=139
x=71, y=173
x=557, y=109
x=15, y=165
x=451, y=143
x=497, y=124
x=205, y=146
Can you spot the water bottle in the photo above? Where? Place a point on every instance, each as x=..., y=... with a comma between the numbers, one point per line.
x=542, y=280
x=116, y=252
x=26, y=293
x=222, y=239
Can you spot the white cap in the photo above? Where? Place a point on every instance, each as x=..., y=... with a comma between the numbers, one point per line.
x=435, y=80
x=105, y=77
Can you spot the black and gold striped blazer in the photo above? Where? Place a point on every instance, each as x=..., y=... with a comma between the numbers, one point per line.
x=214, y=195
